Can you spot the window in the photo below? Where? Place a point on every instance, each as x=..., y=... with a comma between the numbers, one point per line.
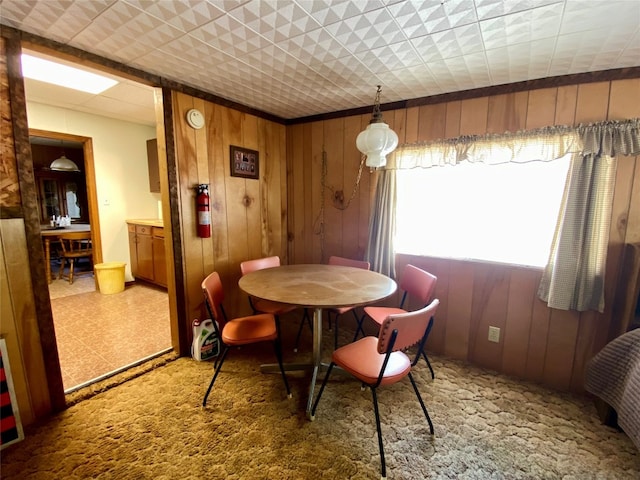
x=502, y=213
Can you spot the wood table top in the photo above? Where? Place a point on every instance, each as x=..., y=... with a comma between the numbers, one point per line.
x=318, y=285
x=57, y=231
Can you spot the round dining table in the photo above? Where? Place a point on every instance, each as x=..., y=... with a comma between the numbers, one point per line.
x=317, y=286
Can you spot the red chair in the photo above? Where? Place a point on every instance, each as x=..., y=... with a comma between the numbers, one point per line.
x=238, y=331
x=259, y=305
x=381, y=361
x=335, y=312
x=419, y=285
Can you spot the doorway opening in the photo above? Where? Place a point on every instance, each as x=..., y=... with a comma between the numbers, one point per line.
x=99, y=335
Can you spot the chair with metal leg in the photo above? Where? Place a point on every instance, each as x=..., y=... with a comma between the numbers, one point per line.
x=239, y=331
x=380, y=361
x=417, y=284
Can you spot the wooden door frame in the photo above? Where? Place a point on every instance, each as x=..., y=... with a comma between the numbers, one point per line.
x=90, y=182
x=47, y=392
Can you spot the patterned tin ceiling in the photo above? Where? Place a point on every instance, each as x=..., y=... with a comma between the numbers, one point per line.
x=295, y=58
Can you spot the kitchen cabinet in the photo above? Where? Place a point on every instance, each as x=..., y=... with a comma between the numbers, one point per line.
x=146, y=249
x=159, y=265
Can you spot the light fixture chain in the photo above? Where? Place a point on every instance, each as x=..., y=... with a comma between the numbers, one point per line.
x=356, y=186
x=318, y=225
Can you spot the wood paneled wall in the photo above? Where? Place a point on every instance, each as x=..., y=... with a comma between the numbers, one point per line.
x=537, y=343
x=248, y=216
x=18, y=314
x=326, y=216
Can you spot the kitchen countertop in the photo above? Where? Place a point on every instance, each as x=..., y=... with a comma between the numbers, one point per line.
x=152, y=222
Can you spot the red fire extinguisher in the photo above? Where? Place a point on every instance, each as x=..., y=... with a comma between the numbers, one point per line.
x=204, y=214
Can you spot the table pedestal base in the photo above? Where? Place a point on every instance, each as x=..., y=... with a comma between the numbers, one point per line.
x=288, y=367
x=313, y=366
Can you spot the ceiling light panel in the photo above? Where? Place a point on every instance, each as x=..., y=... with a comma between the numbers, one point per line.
x=64, y=75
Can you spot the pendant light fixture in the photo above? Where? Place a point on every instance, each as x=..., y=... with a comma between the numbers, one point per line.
x=377, y=140
x=63, y=164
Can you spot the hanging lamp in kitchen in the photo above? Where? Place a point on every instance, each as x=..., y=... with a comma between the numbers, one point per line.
x=64, y=164
x=377, y=140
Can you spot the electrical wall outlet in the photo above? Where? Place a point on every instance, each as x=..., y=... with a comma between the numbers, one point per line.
x=494, y=334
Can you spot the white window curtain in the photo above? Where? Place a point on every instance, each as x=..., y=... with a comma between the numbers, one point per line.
x=382, y=225
x=574, y=276
x=585, y=142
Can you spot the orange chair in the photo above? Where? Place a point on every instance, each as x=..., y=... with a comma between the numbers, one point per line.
x=259, y=305
x=75, y=246
x=418, y=284
x=381, y=361
x=335, y=312
x=238, y=331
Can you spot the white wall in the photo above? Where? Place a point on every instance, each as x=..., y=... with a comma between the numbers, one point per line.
x=122, y=176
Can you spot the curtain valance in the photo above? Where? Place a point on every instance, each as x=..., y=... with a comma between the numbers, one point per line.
x=543, y=144
x=574, y=276
x=611, y=138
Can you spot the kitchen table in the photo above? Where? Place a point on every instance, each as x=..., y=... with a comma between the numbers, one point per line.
x=317, y=286
x=50, y=234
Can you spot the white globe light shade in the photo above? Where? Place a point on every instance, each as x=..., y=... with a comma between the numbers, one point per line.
x=376, y=141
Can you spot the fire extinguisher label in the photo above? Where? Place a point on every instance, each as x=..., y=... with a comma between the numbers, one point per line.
x=204, y=218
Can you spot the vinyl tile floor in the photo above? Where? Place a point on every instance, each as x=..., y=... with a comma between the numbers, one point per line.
x=99, y=335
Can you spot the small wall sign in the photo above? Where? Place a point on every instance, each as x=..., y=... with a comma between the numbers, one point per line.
x=244, y=162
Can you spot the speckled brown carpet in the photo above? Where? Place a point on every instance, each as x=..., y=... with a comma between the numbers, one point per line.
x=487, y=426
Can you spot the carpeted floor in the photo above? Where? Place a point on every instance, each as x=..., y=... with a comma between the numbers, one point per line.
x=487, y=426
